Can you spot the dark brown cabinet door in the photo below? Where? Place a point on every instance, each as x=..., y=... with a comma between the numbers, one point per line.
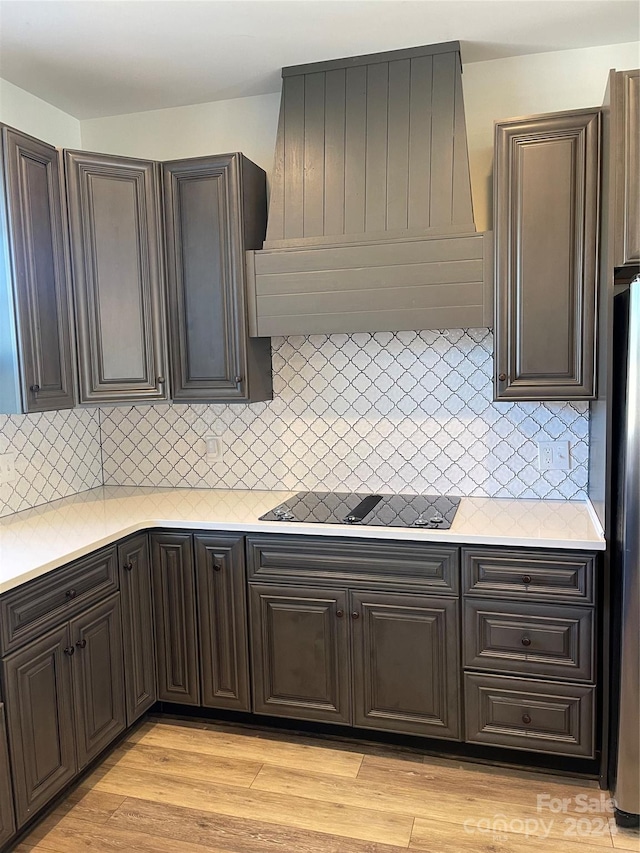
x=36, y=369
x=546, y=203
x=300, y=652
x=98, y=678
x=215, y=208
x=625, y=115
x=39, y=708
x=137, y=626
x=174, y=599
x=406, y=663
x=222, y=621
x=7, y=822
x=116, y=252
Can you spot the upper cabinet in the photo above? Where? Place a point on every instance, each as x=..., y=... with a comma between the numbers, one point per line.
x=625, y=114
x=546, y=212
x=36, y=364
x=215, y=208
x=116, y=251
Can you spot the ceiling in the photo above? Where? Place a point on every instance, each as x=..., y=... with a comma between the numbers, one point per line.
x=105, y=57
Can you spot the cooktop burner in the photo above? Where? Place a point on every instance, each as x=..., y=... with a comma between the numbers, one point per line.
x=427, y=511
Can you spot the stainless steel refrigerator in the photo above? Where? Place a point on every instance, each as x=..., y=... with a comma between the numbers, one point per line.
x=625, y=551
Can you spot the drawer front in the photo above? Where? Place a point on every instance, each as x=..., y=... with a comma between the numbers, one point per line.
x=532, y=639
x=531, y=575
x=34, y=608
x=533, y=715
x=359, y=563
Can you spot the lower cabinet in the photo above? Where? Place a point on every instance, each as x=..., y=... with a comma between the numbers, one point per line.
x=7, y=822
x=65, y=703
x=300, y=652
x=134, y=566
x=200, y=620
x=405, y=663
x=375, y=660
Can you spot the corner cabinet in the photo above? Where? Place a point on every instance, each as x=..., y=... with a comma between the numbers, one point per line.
x=625, y=113
x=546, y=214
x=200, y=619
x=36, y=362
x=214, y=209
x=117, y=266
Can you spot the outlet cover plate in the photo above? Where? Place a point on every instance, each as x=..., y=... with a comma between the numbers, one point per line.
x=554, y=456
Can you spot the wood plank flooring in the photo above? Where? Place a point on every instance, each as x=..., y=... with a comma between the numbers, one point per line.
x=185, y=787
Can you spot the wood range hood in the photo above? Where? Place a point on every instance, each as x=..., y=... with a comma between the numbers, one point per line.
x=370, y=223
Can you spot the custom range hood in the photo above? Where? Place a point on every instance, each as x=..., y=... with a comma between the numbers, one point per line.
x=370, y=223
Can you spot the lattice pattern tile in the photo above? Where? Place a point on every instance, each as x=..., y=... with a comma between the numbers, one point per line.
x=57, y=454
x=404, y=412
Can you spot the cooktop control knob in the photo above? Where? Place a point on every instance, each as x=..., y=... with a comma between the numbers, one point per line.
x=436, y=519
x=420, y=522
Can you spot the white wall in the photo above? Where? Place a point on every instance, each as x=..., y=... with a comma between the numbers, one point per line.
x=526, y=85
x=26, y=112
x=493, y=90
x=244, y=124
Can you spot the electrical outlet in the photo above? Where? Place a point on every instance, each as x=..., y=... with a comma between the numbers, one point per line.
x=553, y=456
x=214, y=449
x=7, y=468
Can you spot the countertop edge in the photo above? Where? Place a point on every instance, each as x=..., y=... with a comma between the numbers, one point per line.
x=448, y=537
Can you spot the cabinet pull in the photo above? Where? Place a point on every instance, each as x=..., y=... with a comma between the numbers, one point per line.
x=81, y=644
x=339, y=613
x=70, y=593
x=502, y=377
x=526, y=719
x=355, y=615
x=526, y=578
x=128, y=567
x=34, y=388
x=69, y=651
x=526, y=641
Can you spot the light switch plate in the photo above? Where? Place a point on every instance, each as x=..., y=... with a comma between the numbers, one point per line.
x=7, y=468
x=214, y=449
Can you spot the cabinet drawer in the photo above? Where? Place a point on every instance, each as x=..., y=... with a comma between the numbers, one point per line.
x=32, y=609
x=533, y=715
x=533, y=639
x=356, y=562
x=536, y=576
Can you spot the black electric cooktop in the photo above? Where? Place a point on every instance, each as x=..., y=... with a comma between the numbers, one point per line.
x=434, y=512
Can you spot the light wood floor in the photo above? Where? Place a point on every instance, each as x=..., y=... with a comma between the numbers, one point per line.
x=178, y=787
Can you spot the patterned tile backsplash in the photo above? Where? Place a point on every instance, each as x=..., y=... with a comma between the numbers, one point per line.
x=57, y=454
x=389, y=412
x=385, y=412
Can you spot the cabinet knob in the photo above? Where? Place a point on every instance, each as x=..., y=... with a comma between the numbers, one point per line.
x=81, y=644
x=526, y=641
x=34, y=388
x=69, y=650
x=216, y=566
x=128, y=567
x=526, y=719
x=355, y=615
x=160, y=380
x=526, y=579
x=339, y=613
x=70, y=593
x=502, y=377
x=238, y=379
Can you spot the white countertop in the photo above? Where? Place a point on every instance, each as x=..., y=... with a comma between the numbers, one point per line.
x=38, y=540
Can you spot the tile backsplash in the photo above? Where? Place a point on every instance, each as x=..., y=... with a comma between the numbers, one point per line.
x=57, y=454
x=410, y=411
